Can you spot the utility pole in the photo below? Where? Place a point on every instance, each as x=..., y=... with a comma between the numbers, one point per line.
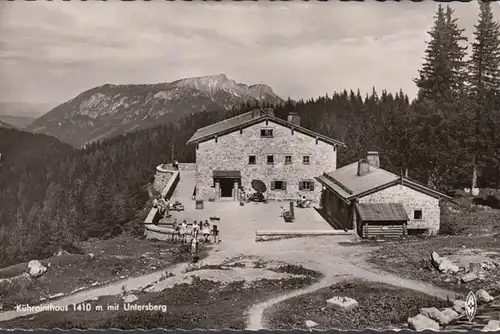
x=172, y=152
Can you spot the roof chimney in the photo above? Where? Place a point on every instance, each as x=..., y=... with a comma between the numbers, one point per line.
x=363, y=167
x=373, y=158
x=294, y=118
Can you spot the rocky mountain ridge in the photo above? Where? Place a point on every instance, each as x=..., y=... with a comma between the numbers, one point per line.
x=110, y=110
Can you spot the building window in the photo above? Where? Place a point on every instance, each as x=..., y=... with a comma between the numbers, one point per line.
x=306, y=160
x=306, y=185
x=417, y=214
x=278, y=185
x=252, y=159
x=288, y=159
x=270, y=159
x=266, y=133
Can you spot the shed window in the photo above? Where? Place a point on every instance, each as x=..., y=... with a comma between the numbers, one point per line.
x=417, y=214
x=270, y=159
x=278, y=185
x=252, y=159
x=306, y=185
x=266, y=133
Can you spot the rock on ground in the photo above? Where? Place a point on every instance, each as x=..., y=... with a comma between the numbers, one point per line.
x=488, y=266
x=344, y=303
x=310, y=324
x=469, y=277
x=36, y=269
x=450, y=313
x=492, y=326
x=483, y=297
x=459, y=306
x=421, y=322
x=443, y=264
x=435, y=314
x=130, y=298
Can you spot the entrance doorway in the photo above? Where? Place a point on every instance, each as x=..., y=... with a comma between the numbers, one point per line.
x=226, y=187
x=226, y=180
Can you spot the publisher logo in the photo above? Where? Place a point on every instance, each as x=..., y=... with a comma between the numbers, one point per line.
x=470, y=306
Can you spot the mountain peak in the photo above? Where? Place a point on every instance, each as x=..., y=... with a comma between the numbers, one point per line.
x=109, y=110
x=206, y=83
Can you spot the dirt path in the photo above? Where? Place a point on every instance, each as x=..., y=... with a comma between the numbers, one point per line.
x=115, y=288
x=256, y=312
x=323, y=254
x=255, y=320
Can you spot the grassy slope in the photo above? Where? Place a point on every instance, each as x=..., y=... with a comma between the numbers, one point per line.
x=116, y=258
x=381, y=306
x=410, y=259
x=202, y=304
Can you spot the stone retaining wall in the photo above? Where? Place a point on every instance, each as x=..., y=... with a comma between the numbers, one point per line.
x=161, y=179
x=171, y=182
x=282, y=234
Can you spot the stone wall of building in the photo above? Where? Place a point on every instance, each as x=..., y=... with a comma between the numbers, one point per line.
x=232, y=151
x=411, y=200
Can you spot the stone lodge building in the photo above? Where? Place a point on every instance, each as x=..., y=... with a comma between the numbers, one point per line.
x=259, y=146
x=363, y=187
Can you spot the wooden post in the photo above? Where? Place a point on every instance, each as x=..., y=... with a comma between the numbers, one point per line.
x=217, y=190
x=292, y=210
x=235, y=190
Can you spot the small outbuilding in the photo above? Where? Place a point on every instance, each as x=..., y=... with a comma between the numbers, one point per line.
x=372, y=201
x=381, y=220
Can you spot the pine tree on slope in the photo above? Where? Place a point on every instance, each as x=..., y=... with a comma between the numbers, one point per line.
x=440, y=84
x=484, y=80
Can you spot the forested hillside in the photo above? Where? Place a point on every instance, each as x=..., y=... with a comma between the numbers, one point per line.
x=54, y=195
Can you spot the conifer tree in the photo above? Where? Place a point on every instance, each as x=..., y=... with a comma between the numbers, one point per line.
x=428, y=78
x=484, y=86
x=441, y=88
x=485, y=60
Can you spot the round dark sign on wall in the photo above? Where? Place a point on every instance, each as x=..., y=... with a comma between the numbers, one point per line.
x=259, y=186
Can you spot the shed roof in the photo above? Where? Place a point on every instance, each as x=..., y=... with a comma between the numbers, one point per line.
x=381, y=212
x=248, y=119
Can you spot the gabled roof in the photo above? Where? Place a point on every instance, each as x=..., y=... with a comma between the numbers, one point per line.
x=347, y=184
x=381, y=212
x=248, y=119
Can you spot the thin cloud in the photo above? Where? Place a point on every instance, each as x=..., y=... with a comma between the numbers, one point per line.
x=52, y=51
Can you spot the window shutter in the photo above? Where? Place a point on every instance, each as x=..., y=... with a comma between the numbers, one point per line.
x=272, y=185
x=312, y=185
x=301, y=185
x=284, y=185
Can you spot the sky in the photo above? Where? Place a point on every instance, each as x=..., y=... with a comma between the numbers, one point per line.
x=50, y=51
